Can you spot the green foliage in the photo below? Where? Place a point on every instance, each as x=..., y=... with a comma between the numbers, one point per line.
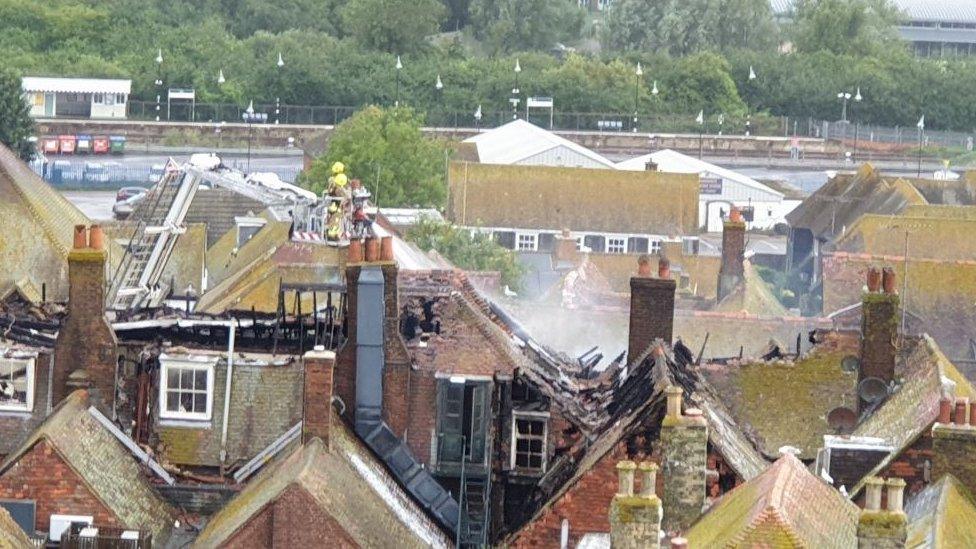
x=680, y=27
x=16, y=125
x=847, y=27
x=393, y=26
x=702, y=81
x=518, y=25
x=474, y=252
x=386, y=150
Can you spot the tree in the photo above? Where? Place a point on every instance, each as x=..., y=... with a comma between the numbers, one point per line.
x=516, y=25
x=387, y=151
x=702, y=82
x=849, y=27
x=681, y=27
x=16, y=125
x=475, y=252
x=393, y=26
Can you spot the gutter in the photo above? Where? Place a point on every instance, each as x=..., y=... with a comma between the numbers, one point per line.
x=231, y=331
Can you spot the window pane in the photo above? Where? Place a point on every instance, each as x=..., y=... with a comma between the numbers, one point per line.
x=537, y=428
x=186, y=379
x=186, y=402
x=200, y=380
x=172, y=401
x=521, y=445
x=535, y=446
x=200, y=403
x=535, y=462
x=172, y=378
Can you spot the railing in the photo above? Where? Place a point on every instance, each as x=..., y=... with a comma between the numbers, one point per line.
x=75, y=175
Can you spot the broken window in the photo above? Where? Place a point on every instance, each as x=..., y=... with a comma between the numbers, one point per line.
x=547, y=241
x=529, y=432
x=462, y=420
x=505, y=239
x=17, y=384
x=186, y=388
x=594, y=242
x=616, y=245
x=637, y=245
x=527, y=242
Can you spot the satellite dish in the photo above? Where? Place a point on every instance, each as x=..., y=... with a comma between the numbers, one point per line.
x=842, y=419
x=850, y=364
x=872, y=389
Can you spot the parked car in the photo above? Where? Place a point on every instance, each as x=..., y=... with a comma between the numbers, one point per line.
x=94, y=172
x=123, y=208
x=128, y=192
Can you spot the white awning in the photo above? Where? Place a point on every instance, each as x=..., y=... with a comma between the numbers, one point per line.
x=75, y=85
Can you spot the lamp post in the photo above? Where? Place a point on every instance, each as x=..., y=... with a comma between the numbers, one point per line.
x=752, y=77
x=638, y=73
x=220, y=83
x=844, y=97
x=515, y=90
x=921, y=132
x=477, y=119
x=279, y=64
x=857, y=124
x=399, y=67
x=159, y=80
x=439, y=91
x=249, y=117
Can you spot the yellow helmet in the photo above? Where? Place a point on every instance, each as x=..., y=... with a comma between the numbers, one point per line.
x=340, y=180
x=333, y=208
x=338, y=167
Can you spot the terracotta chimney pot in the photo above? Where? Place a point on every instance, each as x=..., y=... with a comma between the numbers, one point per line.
x=81, y=237
x=372, y=249
x=945, y=410
x=644, y=266
x=663, y=268
x=888, y=280
x=874, y=279
x=386, y=248
x=735, y=215
x=355, y=251
x=679, y=543
x=961, y=416
x=96, y=238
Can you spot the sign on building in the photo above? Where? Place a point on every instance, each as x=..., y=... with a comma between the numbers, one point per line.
x=711, y=185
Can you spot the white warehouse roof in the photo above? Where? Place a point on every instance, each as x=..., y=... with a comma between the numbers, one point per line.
x=75, y=85
x=520, y=140
x=668, y=160
x=954, y=11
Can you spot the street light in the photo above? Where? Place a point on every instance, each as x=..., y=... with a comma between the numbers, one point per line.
x=439, y=89
x=857, y=124
x=220, y=82
x=515, y=90
x=280, y=64
x=399, y=67
x=159, y=80
x=638, y=73
x=844, y=97
x=477, y=118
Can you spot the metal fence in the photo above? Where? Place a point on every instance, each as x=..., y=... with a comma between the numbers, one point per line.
x=114, y=175
x=848, y=131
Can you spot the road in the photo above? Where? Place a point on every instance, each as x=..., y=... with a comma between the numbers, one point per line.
x=97, y=205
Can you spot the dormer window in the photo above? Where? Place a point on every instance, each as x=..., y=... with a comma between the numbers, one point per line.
x=186, y=387
x=529, y=434
x=247, y=227
x=16, y=384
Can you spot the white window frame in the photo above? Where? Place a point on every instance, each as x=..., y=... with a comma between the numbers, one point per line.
x=532, y=416
x=29, y=404
x=248, y=222
x=616, y=244
x=167, y=363
x=653, y=245
x=518, y=242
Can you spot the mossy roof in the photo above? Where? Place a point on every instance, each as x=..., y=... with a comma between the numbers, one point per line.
x=187, y=262
x=783, y=403
x=785, y=506
x=224, y=258
x=942, y=515
x=933, y=234
x=11, y=535
x=752, y=296
x=914, y=405
x=346, y=482
x=108, y=469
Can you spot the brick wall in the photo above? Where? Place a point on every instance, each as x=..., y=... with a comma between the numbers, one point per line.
x=953, y=447
x=86, y=340
x=879, y=330
x=422, y=416
x=733, y=253
x=651, y=313
x=910, y=466
x=295, y=519
x=317, y=401
x=41, y=475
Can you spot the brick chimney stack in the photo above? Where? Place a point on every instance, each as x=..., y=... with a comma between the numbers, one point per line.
x=564, y=249
x=317, y=405
x=879, y=326
x=651, y=307
x=879, y=528
x=684, y=443
x=954, y=441
x=733, y=253
x=635, y=519
x=86, y=350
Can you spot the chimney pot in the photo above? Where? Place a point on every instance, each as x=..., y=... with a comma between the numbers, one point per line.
x=960, y=416
x=679, y=543
x=888, y=280
x=81, y=237
x=735, y=215
x=566, y=233
x=372, y=249
x=386, y=248
x=945, y=410
x=972, y=415
x=872, y=491
x=96, y=238
x=663, y=268
x=644, y=266
x=625, y=478
x=674, y=401
x=355, y=251
x=648, y=471
x=874, y=279
x=896, y=495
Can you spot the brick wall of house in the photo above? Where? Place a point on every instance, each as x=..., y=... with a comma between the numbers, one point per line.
x=396, y=397
x=911, y=466
x=295, y=519
x=733, y=253
x=256, y=533
x=422, y=417
x=86, y=340
x=317, y=401
x=651, y=313
x=41, y=475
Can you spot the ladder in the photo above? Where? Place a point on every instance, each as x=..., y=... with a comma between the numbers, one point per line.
x=475, y=511
x=159, y=220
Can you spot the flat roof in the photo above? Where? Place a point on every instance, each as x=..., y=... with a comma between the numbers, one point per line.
x=75, y=85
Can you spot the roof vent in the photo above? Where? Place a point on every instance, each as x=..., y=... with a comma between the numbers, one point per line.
x=842, y=419
x=872, y=389
x=850, y=363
